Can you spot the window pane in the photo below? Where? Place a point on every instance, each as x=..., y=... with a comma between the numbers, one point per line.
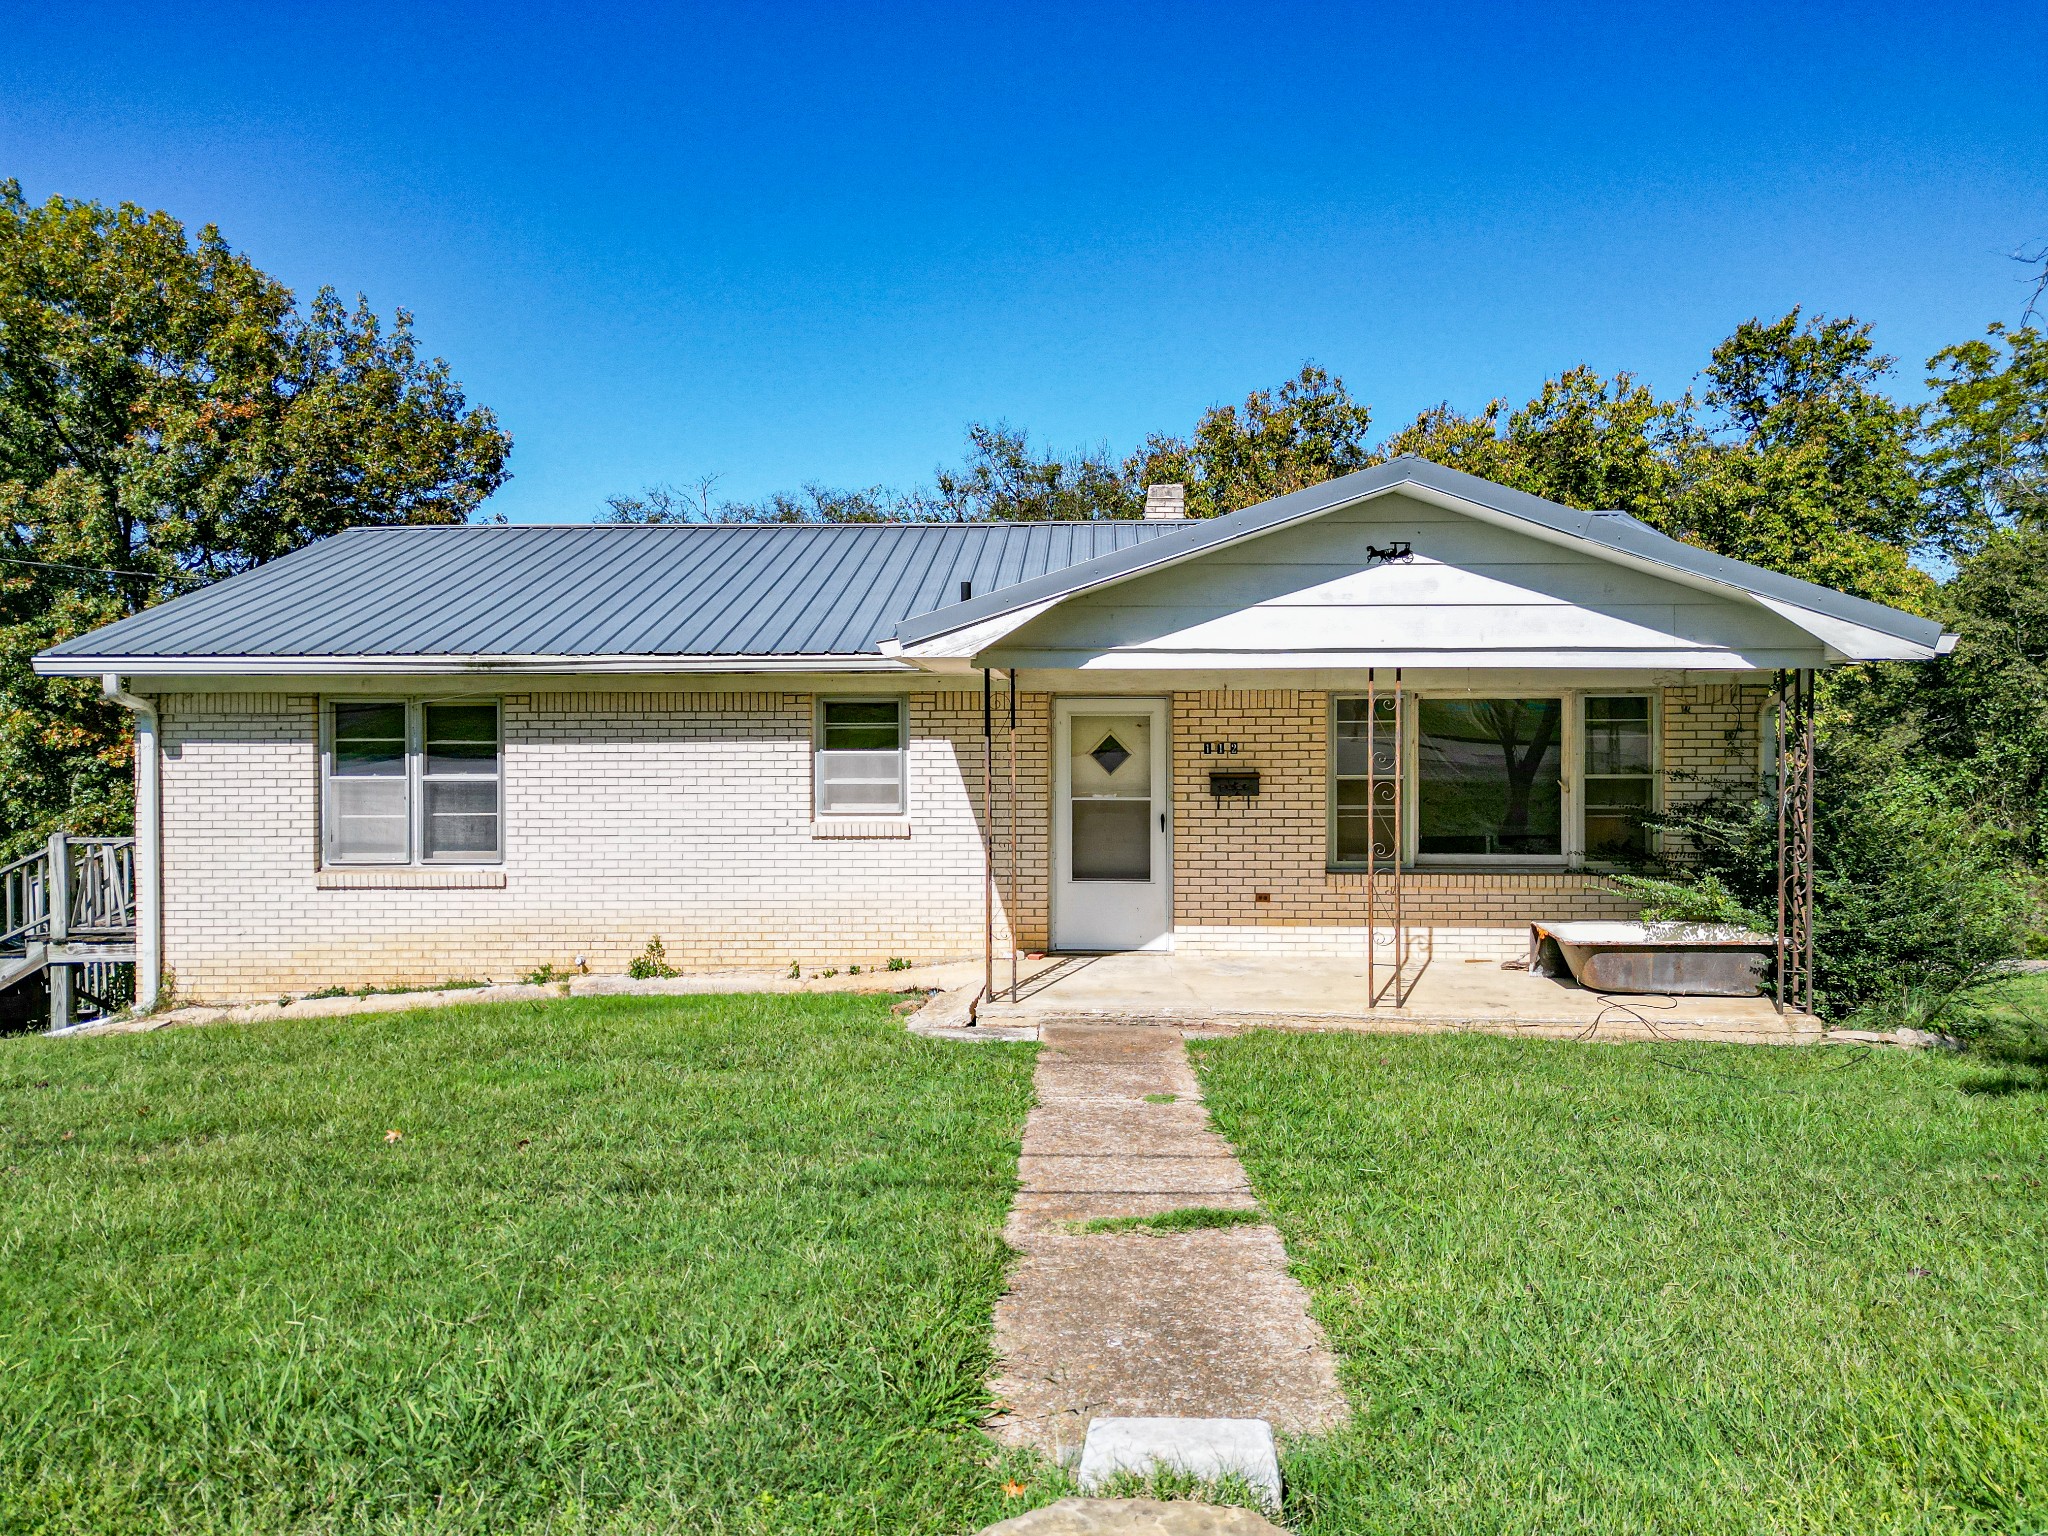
x=1112, y=840
x=860, y=781
x=863, y=726
x=1353, y=823
x=369, y=739
x=1615, y=809
x=369, y=819
x=461, y=738
x=1617, y=735
x=461, y=818
x=1488, y=776
x=1351, y=737
x=1111, y=757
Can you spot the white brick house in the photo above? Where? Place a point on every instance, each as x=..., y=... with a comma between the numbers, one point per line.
x=415, y=754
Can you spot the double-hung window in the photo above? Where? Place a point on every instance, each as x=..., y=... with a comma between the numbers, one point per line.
x=1620, y=778
x=1495, y=780
x=411, y=782
x=860, y=758
x=1363, y=771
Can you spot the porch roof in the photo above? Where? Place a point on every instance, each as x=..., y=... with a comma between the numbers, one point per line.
x=1850, y=627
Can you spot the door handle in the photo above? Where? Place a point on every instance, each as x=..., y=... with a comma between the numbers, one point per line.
x=1162, y=821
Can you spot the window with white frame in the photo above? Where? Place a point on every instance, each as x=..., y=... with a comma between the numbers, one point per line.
x=1363, y=767
x=861, y=757
x=1490, y=779
x=413, y=782
x=1620, y=778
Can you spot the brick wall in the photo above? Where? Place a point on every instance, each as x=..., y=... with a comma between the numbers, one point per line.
x=1712, y=740
x=626, y=815
x=1251, y=876
x=688, y=815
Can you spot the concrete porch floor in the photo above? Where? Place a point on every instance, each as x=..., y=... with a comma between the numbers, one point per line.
x=1309, y=993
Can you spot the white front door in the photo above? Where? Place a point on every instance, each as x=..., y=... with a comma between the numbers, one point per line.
x=1111, y=854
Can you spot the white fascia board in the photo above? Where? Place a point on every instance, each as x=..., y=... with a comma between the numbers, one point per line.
x=1659, y=661
x=449, y=666
x=979, y=636
x=1854, y=642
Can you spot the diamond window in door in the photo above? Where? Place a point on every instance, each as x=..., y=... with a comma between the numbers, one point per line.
x=1110, y=782
x=1111, y=755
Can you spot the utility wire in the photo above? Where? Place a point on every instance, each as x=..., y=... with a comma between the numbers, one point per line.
x=96, y=570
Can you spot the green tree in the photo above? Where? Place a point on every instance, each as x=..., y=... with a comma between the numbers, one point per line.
x=1004, y=479
x=1810, y=467
x=1584, y=441
x=170, y=415
x=1793, y=458
x=1987, y=436
x=1305, y=432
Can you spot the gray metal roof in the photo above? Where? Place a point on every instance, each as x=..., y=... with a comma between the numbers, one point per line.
x=488, y=590
x=1614, y=531
x=471, y=594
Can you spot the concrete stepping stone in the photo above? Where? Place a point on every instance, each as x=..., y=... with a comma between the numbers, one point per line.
x=1208, y=1450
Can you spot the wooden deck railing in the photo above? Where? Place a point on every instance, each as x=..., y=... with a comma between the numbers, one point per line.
x=71, y=890
x=69, y=912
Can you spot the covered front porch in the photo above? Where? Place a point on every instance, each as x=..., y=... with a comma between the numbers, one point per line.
x=1439, y=992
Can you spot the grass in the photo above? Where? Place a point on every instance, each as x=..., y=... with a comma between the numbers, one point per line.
x=1187, y=1218
x=631, y=1264
x=1609, y=1288
x=461, y=984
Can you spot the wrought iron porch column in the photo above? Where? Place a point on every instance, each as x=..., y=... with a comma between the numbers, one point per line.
x=1796, y=769
x=1013, y=834
x=1387, y=792
x=988, y=839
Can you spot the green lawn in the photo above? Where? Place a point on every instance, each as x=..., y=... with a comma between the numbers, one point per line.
x=710, y=1264
x=1646, y=1288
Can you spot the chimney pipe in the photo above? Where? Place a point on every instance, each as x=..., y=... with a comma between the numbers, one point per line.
x=1164, y=502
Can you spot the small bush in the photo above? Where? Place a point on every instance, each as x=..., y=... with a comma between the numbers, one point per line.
x=543, y=976
x=1911, y=888
x=898, y=963
x=1702, y=900
x=651, y=962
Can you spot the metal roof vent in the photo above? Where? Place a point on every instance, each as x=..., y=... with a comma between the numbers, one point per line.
x=1165, y=501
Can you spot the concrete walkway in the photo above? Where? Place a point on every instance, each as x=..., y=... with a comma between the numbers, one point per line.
x=1202, y=1324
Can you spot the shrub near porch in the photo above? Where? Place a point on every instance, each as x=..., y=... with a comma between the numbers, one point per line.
x=717, y=1264
x=1672, y=1288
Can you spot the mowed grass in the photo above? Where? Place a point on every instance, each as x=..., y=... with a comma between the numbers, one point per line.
x=705, y=1264
x=1619, y=1288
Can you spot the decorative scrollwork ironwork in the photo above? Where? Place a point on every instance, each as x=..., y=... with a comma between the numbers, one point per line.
x=1796, y=769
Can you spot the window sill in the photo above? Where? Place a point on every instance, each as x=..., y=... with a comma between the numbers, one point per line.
x=403, y=878
x=851, y=830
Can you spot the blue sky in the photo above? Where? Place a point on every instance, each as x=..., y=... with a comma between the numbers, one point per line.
x=787, y=244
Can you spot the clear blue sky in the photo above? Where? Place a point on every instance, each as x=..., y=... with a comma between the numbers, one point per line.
x=789, y=243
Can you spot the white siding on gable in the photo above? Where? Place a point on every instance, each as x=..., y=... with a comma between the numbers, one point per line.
x=1473, y=594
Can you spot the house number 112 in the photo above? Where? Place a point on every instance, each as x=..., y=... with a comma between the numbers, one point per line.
x=1219, y=749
